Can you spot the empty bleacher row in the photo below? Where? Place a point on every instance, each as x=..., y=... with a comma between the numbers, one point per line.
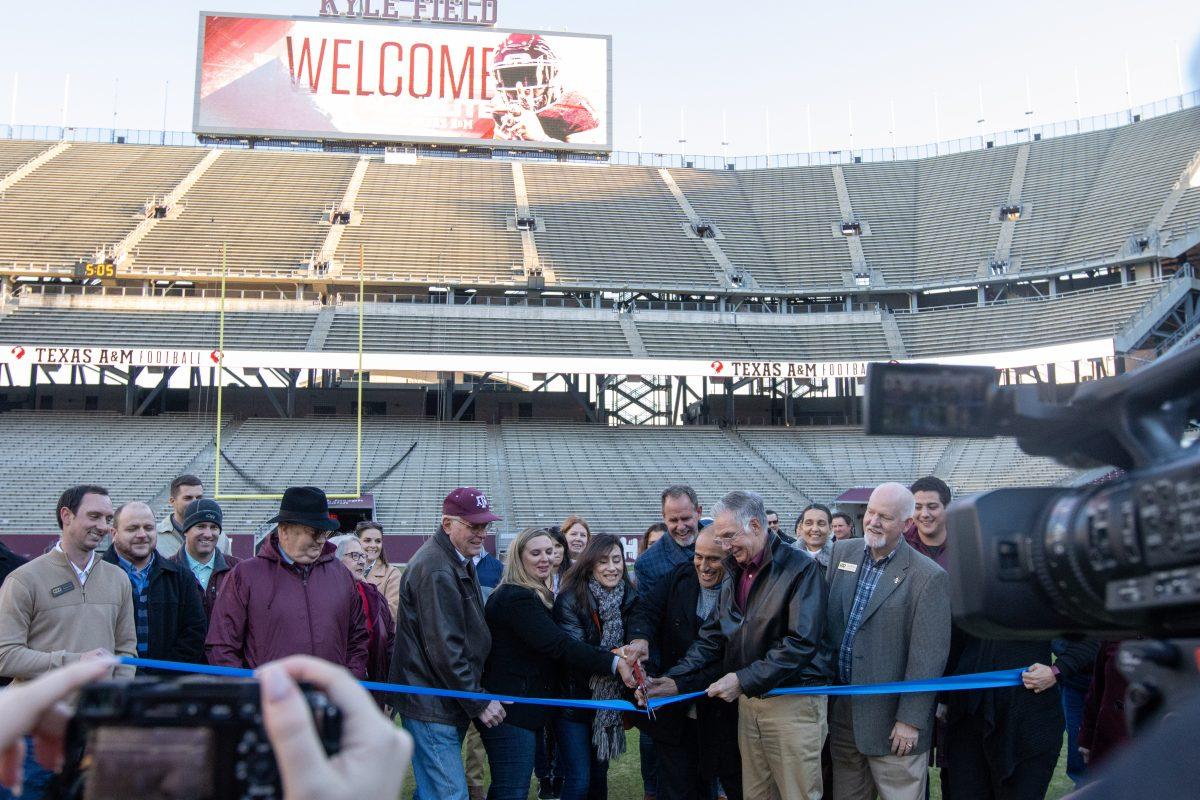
x=410, y=328
x=1032, y=322
x=1083, y=197
x=536, y=472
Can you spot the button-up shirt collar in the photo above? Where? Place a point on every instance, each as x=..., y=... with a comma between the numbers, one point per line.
x=749, y=573
x=202, y=570
x=81, y=574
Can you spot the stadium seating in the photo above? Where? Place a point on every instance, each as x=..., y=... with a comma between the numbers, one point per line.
x=837, y=338
x=85, y=199
x=247, y=330
x=461, y=332
x=45, y=452
x=1058, y=179
x=437, y=221
x=884, y=197
x=1032, y=322
x=536, y=472
x=265, y=207
x=1140, y=166
x=616, y=227
x=14, y=153
x=1084, y=198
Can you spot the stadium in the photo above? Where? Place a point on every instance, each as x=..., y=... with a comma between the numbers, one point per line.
x=393, y=258
x=568, y=331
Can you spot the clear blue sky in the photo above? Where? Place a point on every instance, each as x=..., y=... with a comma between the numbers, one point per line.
x=704, y=56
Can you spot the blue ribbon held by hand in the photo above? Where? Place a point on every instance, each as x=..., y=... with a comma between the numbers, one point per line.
x=953, y=683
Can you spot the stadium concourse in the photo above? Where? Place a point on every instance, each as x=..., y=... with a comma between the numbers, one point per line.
x=537, y=308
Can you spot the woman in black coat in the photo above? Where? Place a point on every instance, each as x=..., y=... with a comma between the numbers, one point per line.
x=527, y=647
x=1003, y=744
x=594, y=606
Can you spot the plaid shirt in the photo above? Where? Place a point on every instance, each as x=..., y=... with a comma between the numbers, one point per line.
x=868, y=578
x=140, y=578
x=658, y=562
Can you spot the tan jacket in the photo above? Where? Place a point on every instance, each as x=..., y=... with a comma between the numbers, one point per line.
x=48, y=619
x=386, y=578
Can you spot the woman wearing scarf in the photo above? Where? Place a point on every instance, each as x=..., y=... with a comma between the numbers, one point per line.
x=594, y=605
x=527, y=647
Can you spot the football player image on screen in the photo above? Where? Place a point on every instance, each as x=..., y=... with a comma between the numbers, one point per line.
x=529, y=102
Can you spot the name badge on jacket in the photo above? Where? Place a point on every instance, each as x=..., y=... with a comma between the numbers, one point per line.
x=848, y=566
x=61, y=589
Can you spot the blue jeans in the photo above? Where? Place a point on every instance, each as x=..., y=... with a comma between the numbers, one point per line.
x=510, y=755
x=1072, y=704
x=584, y=777
x=437, y=760
x=649, y=765
x=36, y=777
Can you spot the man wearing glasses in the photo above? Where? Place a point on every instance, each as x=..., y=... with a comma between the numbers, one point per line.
x=767, y=633
x=442, y=641
x=292, y=598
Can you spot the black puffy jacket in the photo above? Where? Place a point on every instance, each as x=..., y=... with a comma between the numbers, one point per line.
x=584, y=624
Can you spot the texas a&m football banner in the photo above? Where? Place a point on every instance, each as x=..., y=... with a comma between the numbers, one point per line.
x=392, y=81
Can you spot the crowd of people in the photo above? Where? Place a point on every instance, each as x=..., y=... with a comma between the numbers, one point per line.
x=727, y=608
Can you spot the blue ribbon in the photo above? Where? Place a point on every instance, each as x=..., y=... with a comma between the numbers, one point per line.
x=953, y=683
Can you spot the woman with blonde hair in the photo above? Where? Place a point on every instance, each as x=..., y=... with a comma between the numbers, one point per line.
x=527, y=648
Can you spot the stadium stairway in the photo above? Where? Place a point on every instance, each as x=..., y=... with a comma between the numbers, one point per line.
x=753, y=453
x=1183, y=288
x=171, y=202
x=334, y=237
x=10, y=179
x=201, y=465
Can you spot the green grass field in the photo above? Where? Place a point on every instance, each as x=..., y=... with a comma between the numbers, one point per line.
x=625, y=779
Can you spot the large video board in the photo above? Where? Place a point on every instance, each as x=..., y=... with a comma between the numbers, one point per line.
x=305, y=78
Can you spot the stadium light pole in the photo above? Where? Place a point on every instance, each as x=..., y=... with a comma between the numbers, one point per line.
x=116, y=84
x=1128, y=86
x=768, y=130
x=682, y=137
x=982, y=118
x=1178, y=70
x=66, y=97
x=166, y=92
x=850, y=122
x=12, y=113
x=1028, y=103
x=892, y=106
x=724, y=137
x=1079, y=113
x=808, y=124
x=937, y=120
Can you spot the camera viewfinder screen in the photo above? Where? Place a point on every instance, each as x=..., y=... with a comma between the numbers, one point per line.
x=929, y=400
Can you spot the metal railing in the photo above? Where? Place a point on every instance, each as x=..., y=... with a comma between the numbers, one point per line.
x=1004, y=301
x=1099, y=122
x=1184, y=273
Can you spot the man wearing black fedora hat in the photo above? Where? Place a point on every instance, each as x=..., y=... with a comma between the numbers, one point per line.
x=293, y=597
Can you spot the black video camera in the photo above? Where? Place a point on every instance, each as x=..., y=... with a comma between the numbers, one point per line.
x=190, y=737
x=1109, y=560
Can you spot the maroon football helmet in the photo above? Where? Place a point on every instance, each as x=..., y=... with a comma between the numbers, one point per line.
x=525, y=70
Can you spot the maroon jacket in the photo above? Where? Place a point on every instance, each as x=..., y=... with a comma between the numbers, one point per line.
x=222, y=566
x=1103, y=729
x=268, y=609
x=381, y=628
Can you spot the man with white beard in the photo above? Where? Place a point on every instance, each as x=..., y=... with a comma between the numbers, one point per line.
x=888, y=618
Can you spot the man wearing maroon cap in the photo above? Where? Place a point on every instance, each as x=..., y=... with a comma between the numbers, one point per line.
x=442, y=641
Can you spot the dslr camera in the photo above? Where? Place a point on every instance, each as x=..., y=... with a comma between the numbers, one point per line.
x=1116, y=559
x=191, y=737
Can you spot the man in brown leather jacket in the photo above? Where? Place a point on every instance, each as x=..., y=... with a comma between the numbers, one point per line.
x=767, y=633
x=442, y=641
